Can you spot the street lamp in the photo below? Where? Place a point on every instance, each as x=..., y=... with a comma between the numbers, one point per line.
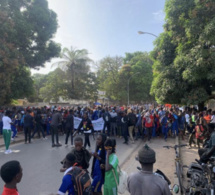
x=141, y=32
x=129, y=83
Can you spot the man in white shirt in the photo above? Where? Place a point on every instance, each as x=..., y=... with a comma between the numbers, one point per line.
x=7, y=131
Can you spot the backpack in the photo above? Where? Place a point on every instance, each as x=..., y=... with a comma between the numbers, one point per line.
x=123, y=177
x=81, y=181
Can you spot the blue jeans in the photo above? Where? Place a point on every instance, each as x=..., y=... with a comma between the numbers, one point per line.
x=13, y=128
x=165, y=131
x=175, y=128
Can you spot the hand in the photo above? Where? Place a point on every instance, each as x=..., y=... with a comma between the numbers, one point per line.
x=102, y=166
x=62, y=169
x=95, y=154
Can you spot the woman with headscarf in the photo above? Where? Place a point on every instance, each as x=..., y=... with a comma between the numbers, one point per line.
x=98, y=166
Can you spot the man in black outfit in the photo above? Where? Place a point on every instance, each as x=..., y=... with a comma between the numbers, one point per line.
x=87, y=128
x=69, y=125
x=28, y=122
x=56, y=119
x=107, y=118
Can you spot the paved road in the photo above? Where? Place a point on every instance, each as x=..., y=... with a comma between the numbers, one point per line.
x=164, y=159
x=41, y=164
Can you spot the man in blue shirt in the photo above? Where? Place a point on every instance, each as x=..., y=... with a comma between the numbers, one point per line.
x=67, y=184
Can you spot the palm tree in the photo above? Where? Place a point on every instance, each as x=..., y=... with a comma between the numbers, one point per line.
x=74, y=61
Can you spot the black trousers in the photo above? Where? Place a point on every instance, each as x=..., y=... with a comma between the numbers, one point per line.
x=87, y=139
x=27, y=131
x=54, y=132
x=125, y=132
x=69, y=132
x=149, y=132
x=108, y=128
x=37, y=129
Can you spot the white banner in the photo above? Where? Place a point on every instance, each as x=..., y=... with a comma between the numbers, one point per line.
x=97, y=124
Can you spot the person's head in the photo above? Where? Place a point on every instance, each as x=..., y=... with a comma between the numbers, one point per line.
x=85, y=115
x=7, y=113
x=78, y=143
x=69, y=160
x=146, y=156
x=71, y=111
x=11, y=172
x=100, y=140
x=110, y=144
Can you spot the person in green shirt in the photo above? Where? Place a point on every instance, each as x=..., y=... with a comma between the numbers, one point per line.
x=111, y=174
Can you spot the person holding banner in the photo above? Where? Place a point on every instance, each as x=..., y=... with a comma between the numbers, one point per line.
x=87, y=126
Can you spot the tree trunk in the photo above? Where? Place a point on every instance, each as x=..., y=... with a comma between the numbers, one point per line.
x=201, y=106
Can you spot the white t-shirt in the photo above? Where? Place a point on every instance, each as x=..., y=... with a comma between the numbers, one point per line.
x=6, y=122
x=187, y=117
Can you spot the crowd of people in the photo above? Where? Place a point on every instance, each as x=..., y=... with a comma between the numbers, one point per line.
x=130, y=123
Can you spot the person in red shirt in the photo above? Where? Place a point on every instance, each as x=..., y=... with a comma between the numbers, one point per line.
x=148, y=122
x=11, y=174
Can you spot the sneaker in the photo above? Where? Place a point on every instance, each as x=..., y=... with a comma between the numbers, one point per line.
x=12, y=139
x=66, y=145
x=6, y=152
x=58, y=145
x=72, y=146
x=9, y=151
x=45, y=138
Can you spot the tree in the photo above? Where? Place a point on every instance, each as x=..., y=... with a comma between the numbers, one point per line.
x=39, y=82
x=27, y=27
x=75, y=63
x=184, y=54
x=138, y=72
x=113, y=77
x=55, y=86
x=108, y=75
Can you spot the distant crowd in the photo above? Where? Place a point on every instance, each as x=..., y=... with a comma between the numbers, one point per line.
x=130, y=123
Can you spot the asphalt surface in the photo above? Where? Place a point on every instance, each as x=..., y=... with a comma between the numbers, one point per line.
x=41, y=163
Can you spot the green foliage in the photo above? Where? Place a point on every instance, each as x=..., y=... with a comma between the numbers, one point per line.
x=27, y=27
x=184, y=54
x=113, y=77
x=76, y=64
x=54, y=87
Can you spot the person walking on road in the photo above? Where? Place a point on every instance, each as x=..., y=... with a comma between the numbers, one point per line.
x=28, y=122
x=39, y=127
x=107, y=120
x=131, y=123
x=7, y=131
x=56, y=119
x=145, y=182
x=124, y=121
x=69, y=125
x=87, y=126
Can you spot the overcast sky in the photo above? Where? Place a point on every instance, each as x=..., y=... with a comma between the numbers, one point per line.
x=106, y=27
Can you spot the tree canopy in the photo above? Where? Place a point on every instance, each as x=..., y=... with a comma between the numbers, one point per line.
x=114, y=73
x=184, y=55
x=27, y=29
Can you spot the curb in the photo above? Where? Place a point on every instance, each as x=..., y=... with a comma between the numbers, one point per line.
x=176, y=178
x=128, y=158
x=14, y=142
